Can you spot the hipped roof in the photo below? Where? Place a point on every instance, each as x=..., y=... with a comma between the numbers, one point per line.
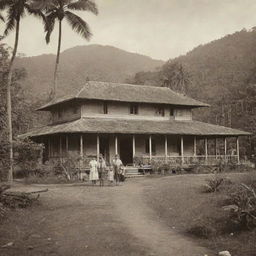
x=123, y=126
x=94, y=90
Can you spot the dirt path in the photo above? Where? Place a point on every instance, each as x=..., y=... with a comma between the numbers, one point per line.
x=85, y=220
x=146, y=226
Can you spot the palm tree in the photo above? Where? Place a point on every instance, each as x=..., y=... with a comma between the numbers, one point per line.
x=58, y=10
x=15, y=9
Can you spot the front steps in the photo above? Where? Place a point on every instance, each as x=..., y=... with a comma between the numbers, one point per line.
x=132, y=172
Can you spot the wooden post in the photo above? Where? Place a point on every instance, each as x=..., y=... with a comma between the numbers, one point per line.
x=98, y=147
x=133, y=146
x=49, y=148
x=166, y=148
x=206, y=150
x=182, y=149
x=237, y=150
x=194, y=146
x=116, y=145
x=81, y=146
x=216, y=148
x=67, y=145
x=150, y=148
x=225, y=148
x=60, y=148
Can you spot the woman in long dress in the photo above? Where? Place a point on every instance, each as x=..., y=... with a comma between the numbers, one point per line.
x=94, y=175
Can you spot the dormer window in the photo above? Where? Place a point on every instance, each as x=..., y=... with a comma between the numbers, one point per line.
x=105, y=108
x=160, y=111
x=134, y=109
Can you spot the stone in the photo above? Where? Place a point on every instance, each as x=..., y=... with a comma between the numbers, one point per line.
x=224, y=253
x=231, y=207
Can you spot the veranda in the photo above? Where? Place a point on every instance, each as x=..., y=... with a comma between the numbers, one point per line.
x=143, y=149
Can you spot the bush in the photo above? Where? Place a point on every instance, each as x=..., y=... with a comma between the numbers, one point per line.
x=56, y=171
x=243, y=206
x=213, y=184
x=202, y=229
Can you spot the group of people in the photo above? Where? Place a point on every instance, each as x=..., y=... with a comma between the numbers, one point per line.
x=99, y=171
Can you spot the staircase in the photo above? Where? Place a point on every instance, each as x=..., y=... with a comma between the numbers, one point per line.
x=132, y=172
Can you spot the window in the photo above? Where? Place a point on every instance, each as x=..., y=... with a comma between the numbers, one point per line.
x=153, y=143
x=160, y=111
x=59, y=113
x=171, y=111
x=134, y=109
x=105, y=108
x=75, y=109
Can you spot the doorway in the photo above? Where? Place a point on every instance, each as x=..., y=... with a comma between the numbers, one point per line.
x=126, y=154
x=104, y=148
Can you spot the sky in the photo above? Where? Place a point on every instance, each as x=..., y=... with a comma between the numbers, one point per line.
x=161, y=29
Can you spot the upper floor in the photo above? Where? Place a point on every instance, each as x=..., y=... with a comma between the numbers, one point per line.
x=104, y=109
x=111, y=100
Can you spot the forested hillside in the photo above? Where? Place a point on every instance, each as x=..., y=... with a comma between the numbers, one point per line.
x=223, y=74
x=94, y=62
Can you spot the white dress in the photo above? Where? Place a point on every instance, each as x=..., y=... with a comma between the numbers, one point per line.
x=94, y=175
x=111, y=175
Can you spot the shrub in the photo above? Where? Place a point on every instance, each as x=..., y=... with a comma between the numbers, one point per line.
x=243, y=206
x=202, y=229
x=213, y=184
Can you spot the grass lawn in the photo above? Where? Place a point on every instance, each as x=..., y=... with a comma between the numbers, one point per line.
x=181, y=204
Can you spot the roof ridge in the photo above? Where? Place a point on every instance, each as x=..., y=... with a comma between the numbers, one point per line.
x=139, y=85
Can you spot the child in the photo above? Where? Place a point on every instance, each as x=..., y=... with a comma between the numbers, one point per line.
x=111, y=176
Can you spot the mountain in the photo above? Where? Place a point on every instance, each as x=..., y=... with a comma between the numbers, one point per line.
x=222, y=73
x=94, y=62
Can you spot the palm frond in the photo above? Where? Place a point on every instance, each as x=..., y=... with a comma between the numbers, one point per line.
x=4, y=4
x=83, y=5
x=11, y=20
x=1, y=17
x=49, y=25
x=78, y=25
x=35, y=12
x=44, y=5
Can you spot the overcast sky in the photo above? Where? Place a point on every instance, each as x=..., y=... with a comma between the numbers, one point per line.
x=161, y=29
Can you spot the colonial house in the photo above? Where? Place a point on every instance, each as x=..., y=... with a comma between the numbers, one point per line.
x=140, y=123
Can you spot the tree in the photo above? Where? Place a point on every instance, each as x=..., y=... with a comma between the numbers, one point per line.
x=58, y=10
x=16, y=9
x=175, y=76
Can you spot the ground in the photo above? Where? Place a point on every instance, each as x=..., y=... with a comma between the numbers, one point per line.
x=85, y=220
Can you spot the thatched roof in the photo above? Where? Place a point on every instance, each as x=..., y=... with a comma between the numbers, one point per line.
x=127, y=93
x=124, y=126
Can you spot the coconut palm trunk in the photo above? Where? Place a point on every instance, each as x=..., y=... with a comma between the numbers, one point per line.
x=56, y=71
x=9, y=100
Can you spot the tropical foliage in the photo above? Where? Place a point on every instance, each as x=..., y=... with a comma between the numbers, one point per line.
x=16, y=10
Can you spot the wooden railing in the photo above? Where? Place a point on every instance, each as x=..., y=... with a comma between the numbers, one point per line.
x=191, y=160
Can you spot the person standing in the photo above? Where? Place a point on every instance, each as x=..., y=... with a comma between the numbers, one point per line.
x=101, y=169
x=117, y=165
x=94, y=175
x=111, y=175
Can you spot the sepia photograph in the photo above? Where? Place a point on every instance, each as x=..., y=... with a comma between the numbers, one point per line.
x=127, y=128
